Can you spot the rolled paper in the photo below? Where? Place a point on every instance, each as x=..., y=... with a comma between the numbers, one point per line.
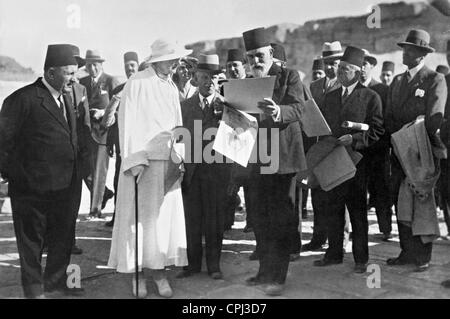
x=355, y=126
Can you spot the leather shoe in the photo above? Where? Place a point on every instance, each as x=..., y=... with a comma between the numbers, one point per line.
x=422, y=268
x=360, y=268
x=94, y=214
x=76, y=250
x=216, y=275
x=254, y=256
x=142, y=289
x=386, y=236
x=106, y=197
x=311, y=247
x=294, y=257
x=398, y=261
x=327, y=262
x=253, y=281
x=247, y=229
x=164, y=289
x=274, y=289
x=110, y=223
x=187, y=273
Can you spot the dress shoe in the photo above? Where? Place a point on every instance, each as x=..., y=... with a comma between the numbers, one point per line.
x=386, y=236
x=164, y=289
x=274, y=289
x=142, y=289
x=76, y=250
x=216, y=275
x=110, y=223
x=422, y=267
x=360, y=268
x=398, y=261
x=247, y=229
x=254, y=256
x=445, y=284
x=187, y=273
x=311, y=247
x=106, y=197
x=94, y=215
x=327, y=262
x=294, y=257
x=253, y=281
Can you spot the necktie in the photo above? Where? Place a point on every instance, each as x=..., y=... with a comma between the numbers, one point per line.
x=408, y=76
x=205, y=107
x=62, y=107
x=345, y=96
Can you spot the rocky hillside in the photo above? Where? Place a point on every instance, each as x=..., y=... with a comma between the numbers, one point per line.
x=304, y=42
x=11, y=70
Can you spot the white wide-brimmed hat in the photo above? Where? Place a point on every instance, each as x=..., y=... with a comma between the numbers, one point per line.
x=332, y=50
x=165, y=50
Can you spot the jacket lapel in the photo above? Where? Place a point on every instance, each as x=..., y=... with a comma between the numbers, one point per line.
x=353, y=97
x=50, y=105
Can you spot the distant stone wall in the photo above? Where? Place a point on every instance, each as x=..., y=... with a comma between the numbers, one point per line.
x=304, y=43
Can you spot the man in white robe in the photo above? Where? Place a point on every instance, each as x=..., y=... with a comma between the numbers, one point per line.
x=150, y=110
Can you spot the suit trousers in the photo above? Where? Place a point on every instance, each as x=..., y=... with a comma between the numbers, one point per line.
x=444, y=190
x=205, y=209
x=273, y=220
x=100, y=173
x=47, y=217
x=319, y=236
x=350, y=194
x=378, y=186
x=412, y=247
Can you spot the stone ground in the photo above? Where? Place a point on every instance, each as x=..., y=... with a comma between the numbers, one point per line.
x=304, y=280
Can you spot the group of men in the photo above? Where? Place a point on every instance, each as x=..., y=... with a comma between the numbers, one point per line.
x=55, y=132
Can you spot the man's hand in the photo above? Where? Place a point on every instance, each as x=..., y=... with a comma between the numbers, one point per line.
x=269, y=107
x=97, y=114
x=137, y=171
x=345, y=140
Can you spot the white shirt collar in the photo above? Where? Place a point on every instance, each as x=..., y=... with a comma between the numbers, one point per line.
x=416, y=69
x=209, y=99
x=53, y=92
x=98, y=76
x=349, y=88
x=367, y=82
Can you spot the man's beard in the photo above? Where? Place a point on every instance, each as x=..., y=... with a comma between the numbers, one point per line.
x=259, y=72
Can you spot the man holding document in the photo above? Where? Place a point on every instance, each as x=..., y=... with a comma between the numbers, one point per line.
x=354, y=103
x=279, y=134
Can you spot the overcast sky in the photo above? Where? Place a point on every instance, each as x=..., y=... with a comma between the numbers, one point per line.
x=117, y=26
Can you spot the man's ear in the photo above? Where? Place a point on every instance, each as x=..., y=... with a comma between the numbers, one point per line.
x=271, y=52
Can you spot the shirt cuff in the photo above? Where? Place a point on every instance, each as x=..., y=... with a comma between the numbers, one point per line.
x=277, y=118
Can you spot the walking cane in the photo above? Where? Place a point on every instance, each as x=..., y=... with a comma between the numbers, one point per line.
x=136, y=251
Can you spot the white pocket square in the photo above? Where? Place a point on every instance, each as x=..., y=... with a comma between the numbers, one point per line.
x=420, y=93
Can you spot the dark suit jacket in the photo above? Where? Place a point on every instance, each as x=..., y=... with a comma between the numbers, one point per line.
x=319, y=88
x=404, y=106
x=39, y=148
x=192, y=111
x=382, y=90
x=288, y=93
x=445, y=127
x=363, y=106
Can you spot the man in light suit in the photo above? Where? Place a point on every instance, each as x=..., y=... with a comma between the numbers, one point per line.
x=204, y=183
x=417, y=91
x=40, y=156
x=331, y=54
x=100, y=88
x=356, y=103
x=378, y=165
x=275, y=178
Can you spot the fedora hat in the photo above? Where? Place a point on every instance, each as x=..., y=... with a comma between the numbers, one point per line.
x=370, y=58
x=93, y=56
x=331, y=50
x=255, y=39
x=62, y=55
x=353, y=55
x=165, y=50
x=419, y=39
x=209, y=63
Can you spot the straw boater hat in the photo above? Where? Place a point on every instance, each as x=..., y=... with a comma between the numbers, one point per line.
x=419, y=39
x=165, y=50
x=331, y=51
x=94, y=56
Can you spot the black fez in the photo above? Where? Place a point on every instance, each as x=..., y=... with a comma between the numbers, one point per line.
x=318, y=65
x=279, y=52
x=130, y=56
x=353, y=55
x=236, y=55
x=388, y=66
x=255, y=39
x=62, y=55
